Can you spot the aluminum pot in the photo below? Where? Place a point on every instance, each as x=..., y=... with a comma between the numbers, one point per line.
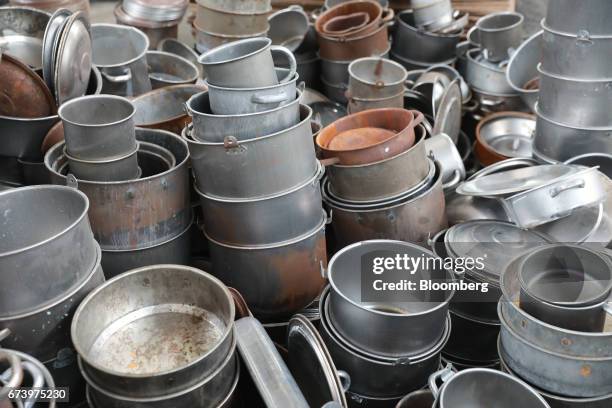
x=349, y=49
x=120, y=53
x=486, y=76
x=265, y=220
x=522, y=71
x=116, y=169
x=51, y=322
x=47, y=246
x=417, y=399
x=472, y=339
x=171, y=297
x=176, y=250
x=206, y=41
x=589, y=99
x=166, y=69
x=254, y=6
x=490, y=102
x=418, y=66
x=164, y=108
x=432, y=14
x=603, y=160
x=335, y=72
x=174, y=46
x=503, y=135
x=34, y=173
x=372, y=78
x=277, y=280
x=412, y=217
x=399, y=327
x=483, y=386
x=380, y=180
x=154, y=30
x=289, y=27
x=219, y=21
x=498, y=33
x=356, y=105
x=563, y=17
x=23, y=29
x=412, y=44
x=235, y=101
x=255, y=167
x=444, y=151
x=166, y=193
x=208, y=127
x=374, y=375
x=231, y=65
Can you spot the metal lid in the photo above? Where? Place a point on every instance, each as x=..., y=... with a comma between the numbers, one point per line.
x=50, y=42
x=312, y=365
x=156, y=10
x=514, y=181
x=494, y=243
x=72, y=66
x=448, y=112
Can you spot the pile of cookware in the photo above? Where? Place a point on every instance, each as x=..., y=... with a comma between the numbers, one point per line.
x=497, y=35
x=157, y=20
x=573, y=80
x=258, y=178
x=222, y=21
x=375, y=83
x=427, y=34
x=161, y=335
x=49, y=261
x=405, y=332
x=346, y=32
x=379, y=178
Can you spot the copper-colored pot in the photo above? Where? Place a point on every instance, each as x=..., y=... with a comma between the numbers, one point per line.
x=372, y=8
x=484, y=153
x=400, y=122
x=349, y=49
x=53, y=137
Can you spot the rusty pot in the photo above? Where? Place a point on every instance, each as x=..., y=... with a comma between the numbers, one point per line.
x=351, y=48
x=350, y=19
x=369, y=136
x=223, y=22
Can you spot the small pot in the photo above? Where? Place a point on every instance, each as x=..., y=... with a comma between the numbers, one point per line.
x=372, y=78
x=219, y=21
x=498, y=33
x=356, y=105
x=504, y=135
x=117, y=169
x=166, y=69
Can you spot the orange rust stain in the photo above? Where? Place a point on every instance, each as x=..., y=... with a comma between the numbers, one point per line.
x=586, y=371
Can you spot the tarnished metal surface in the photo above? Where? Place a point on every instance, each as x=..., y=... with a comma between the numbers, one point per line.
x=364, y=45
x=167, y=69
x=21, y=33
x=223, y=22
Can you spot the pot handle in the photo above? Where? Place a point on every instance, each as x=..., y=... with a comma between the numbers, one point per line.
x=16, y=378
x=454, y=181
x=418, y=118
x=345, y=380
x=443, y=375
x=570, y=185
x=71, y=181
x=267, y=99
x=290, y=58
x=117, y=79
x=387, y=16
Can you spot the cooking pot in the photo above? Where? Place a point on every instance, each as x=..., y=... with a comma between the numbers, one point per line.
x=359, y=46
x=503, y=135
x=498, y=33
x=443, y=150
x=522, y=69
x=23, y=29
x=486, y=76
x=166, y=69
x=372, y=78
x=218, y=21
x=563, y=17
x=371, y=11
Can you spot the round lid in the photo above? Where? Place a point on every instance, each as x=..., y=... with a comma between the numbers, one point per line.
x=155, y=10
x=311, y=364
x=514, y=181
x=512, y=145
x=493, y=244
x=72, y=66
x=448, y=113
x=51, y=39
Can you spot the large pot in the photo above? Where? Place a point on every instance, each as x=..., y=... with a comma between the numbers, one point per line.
x=47, y=246
x=256, y=167
x=206, y=41
x=564, y=17
x=261, y=221
x=167, y=69
x=362, y=45
x=235, y=23
x=412, y=217
x=164, y=108
x=159, y=204
x=276, y=280
x=208, y=127
x=190, y=312
x=45, y=330
x=402, y=326
x=377, y=376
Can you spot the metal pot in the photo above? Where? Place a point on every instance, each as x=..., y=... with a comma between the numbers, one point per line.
x=417, y=399
x=154, y=30
x=427, y=48
x=50, y=322
x=235, y=101
x=522, y=69
x=412, y=65
x=231, y=65
x=265, y=220
x=374, y=375
x=370, y=11
x=483, y=386
x=372, y=78
x=206, y=41
x=256, y=167
x=488, y=102
x=276, y=280
x=208, y=127
x=472, y=339
x=443, y=150
x=116, y=169
x=34, y=173
x=563, y=17
x=384, y=179
x=503, y=135
x=166, y=193
x=603, y=160
x=174, y=46
x=498, y=33
x=411, y=217
x=219, y=21
x=486, y=76
x=349, y=49
x=400, y=327
x=47, y=246
x=120, y=53
x=169, y=301
x=334, y=92
x=560, y=142
x=432, y=14
x=289, y=27
x=167, y=69
x=23, y=29
x=255, y=6
x=356, y=105
x=164, y=108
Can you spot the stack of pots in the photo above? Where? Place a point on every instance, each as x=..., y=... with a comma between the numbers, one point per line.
x=157, y=336
x=50, y=262
x=51, y=6
x=401, y=346
x=257, y=177
x=428, y=34
x=552, y=334
x=346, y=32
x=473, y=341
x=375, y=83
x=380, y=181
x=158, y=20
x=497, y=36
x=221, y=21
x=575, y=76
x=156, y=227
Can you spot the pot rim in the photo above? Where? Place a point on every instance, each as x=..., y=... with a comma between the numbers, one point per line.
x=401, y=22
x=266, y=43
x=471, y=56
x=65, y=230
x=385, y=61
x=350, y=40
x=348, y=62
x=520, y=21
x=493, y=117
x=231, y=37
x=183, y=60
x=563, y=78
x=576, y=128
x=514, y=57
x=235, y=12
x=294, y=77
x=166, y=89
x=123, y=17
x=423, y=64
x=176, y=237
x=80, y=99
x=551, y=30
x=105, y=161
x=229, y=329
x=123, y=27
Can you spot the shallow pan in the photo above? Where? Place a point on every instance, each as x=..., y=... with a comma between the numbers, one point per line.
x=166, y=69
x=504, y=135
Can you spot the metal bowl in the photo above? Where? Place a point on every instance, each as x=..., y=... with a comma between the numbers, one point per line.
x=22, y=30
